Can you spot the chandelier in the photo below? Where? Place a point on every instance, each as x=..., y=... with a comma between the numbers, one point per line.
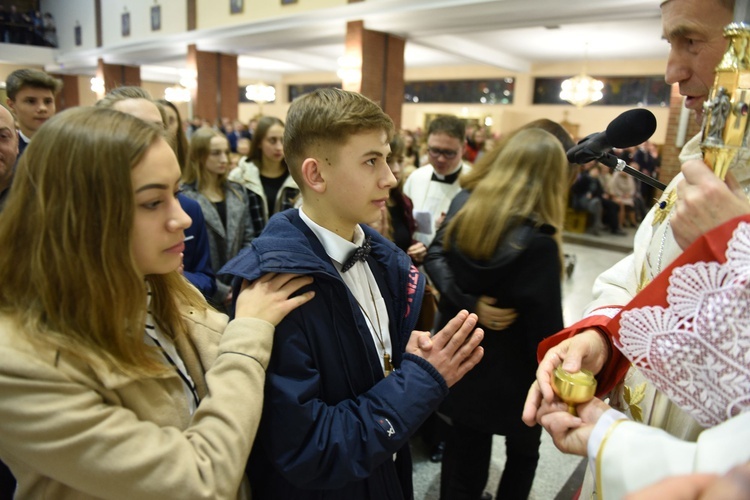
x=582, y=90
x=97, y=86
x=261, y=94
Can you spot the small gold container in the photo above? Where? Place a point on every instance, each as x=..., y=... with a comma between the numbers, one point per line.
x=574, y=388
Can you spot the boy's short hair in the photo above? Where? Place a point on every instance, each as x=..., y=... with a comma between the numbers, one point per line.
x=34, y=78
x=325, y=118
x=449, y=125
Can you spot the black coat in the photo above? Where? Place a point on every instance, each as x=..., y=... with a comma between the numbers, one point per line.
x=525, y=275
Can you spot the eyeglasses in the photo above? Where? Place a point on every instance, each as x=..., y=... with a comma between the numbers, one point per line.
x=448, y=154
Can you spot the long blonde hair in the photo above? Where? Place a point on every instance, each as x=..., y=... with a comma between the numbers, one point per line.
x=527, y=178
x=479, y=170
x=67, y=270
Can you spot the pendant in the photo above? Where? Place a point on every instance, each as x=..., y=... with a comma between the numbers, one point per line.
x=387, y=365
x=665, y=207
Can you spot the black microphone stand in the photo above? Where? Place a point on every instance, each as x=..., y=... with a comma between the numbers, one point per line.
x=612, y=161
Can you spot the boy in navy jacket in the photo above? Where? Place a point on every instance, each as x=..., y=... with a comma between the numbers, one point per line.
x=348, y=382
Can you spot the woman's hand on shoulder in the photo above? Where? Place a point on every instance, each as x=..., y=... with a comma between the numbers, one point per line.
x=270, y=297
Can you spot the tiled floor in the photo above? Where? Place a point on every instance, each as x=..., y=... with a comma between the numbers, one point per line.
x=553, y=478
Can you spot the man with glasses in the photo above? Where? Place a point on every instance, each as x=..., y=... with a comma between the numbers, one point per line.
x=433, y=186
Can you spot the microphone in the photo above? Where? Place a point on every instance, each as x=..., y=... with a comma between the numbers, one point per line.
x=631, y=128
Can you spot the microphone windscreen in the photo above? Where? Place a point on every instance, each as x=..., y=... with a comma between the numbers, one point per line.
x=631, y=128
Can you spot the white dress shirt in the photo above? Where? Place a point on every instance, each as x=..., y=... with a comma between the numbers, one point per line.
x=360, y=280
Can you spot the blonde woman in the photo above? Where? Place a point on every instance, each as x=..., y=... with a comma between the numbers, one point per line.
x=225, y=204
x=264, y=171
x=117, y=380
x=503, y=241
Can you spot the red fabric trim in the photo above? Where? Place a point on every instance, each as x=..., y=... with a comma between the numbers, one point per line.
x=616, y=366
x=711, y=247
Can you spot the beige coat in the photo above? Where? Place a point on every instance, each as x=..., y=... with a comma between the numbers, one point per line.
x=69, y=429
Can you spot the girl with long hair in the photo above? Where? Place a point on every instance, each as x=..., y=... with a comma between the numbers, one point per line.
x=264, y=171
x=502, y=240
x=225, y=204
x=196, y=262
x=116, y=377
x=175, y=131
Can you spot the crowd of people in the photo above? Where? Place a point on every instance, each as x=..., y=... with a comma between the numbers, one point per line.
x=613, y=199
x=173, y=324
x=26, y=28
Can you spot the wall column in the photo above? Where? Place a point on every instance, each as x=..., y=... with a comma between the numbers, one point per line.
x=68, y=96
x=216, y=93
x=118, y=75
x=380, y=60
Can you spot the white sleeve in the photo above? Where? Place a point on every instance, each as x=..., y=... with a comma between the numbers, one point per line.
x=600, y=430
x=633, y=456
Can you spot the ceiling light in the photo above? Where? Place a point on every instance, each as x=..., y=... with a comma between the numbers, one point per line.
x=189, y=78
x=260, y=93
x=177, y=93
x=97, y=86
x=350, y=72
x=583, y=89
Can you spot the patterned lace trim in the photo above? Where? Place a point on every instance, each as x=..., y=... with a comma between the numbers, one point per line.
x=697, y=349
x=609, y=312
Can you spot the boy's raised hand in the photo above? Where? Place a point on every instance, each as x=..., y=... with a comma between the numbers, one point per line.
x=454, y=350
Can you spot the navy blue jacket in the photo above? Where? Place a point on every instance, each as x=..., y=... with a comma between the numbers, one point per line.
x=197, y=259
x=332, y=422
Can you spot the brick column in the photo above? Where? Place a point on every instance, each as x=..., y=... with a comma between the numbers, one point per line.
x=670, y=162
x=216, y=94
x=118, y=75
x=382, y=67
x=68, y=96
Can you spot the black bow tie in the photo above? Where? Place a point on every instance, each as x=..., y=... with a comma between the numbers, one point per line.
x=360, y=254
x=449, y=179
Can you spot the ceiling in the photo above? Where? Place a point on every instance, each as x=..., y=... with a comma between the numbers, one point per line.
x=508, y=34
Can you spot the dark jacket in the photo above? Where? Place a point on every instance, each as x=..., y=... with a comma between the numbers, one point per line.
x=197, y=259
x=524, y=274
x=332, y=422
x=21, y=147
x=585, y=188
x=224, y=242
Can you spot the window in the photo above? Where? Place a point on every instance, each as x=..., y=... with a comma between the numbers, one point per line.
x=618, y=91
x=494, y=91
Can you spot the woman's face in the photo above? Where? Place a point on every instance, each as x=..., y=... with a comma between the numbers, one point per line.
x=173, y=123
x=159, y=223
x=217, y=162
x=395, y=162
x=273, y=144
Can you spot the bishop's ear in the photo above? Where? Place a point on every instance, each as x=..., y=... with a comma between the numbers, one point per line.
x=312, y=175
